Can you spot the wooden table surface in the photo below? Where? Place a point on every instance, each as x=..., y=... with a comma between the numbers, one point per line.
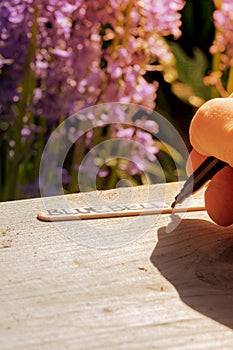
x=121, y=283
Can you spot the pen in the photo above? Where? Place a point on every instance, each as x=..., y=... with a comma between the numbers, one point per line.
x=200, y=176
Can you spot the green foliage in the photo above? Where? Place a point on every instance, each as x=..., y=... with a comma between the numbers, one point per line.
x=191, y=72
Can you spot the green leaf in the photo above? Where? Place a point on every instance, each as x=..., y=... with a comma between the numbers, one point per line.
x=191, y=71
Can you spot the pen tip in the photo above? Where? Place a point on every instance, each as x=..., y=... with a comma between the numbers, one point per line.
x=173, y=204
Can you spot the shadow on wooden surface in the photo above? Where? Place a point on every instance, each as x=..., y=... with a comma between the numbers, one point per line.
x=197, y=258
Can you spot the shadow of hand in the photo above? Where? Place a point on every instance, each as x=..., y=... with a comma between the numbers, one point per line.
x=197, y=258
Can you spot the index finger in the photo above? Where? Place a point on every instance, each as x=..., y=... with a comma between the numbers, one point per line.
x=219, y=192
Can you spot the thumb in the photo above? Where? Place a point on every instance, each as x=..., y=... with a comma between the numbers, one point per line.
x=211, y=129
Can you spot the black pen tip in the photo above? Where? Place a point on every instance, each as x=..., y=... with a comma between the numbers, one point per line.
x=173, y=204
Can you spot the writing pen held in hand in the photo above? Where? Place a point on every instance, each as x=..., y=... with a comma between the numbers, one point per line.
x=199, y=178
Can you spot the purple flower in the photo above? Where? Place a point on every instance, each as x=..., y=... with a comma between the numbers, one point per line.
x=90, y=169
x=69, y=53
x=223, y=43
x=148, y=124
x=59, y=56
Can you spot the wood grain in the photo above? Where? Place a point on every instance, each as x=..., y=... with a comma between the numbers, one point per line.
x=161, y=291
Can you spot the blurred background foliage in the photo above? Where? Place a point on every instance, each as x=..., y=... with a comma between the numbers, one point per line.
x=182, y=89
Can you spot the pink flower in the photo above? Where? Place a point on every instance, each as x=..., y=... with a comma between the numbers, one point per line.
x=223, y=43
x=87, y=52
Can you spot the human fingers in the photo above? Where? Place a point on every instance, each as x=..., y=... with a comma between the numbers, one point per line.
x=219, y=192
x=218, y=197
x=194, y=161
x=211, y=129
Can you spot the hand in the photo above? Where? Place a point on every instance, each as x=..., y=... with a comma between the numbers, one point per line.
x=211, y=134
